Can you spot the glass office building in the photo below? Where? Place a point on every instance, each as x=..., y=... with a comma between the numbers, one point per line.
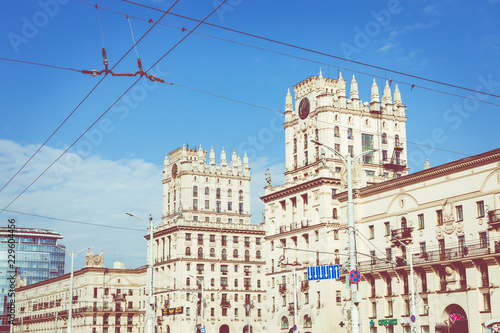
x=36, y=259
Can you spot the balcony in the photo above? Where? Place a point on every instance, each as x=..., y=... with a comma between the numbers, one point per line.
x=247, y=273
x=225, y=303
x=494, y=218
x=304, y=285
x=450, y=254
x=282, y=288
x=403, y=235
x=119, y=297
x=247, y=287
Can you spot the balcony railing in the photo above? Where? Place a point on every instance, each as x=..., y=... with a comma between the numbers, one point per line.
x=454, y=253
x=404, y=235
x=225, y=303
x=282, y=288
x=494, y=218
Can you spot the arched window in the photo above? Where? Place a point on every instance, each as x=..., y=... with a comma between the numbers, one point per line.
x=212, y=282
x=384, y=138
x=241, y=195
x=307, y=321
x=336, y=132
x=403, y=223
x=212, y=252
x=224, y=254
x=396, y=140
x=200, y=253
x=217, y=193
x=188, y=251
x=230, y=193
x=235, y=253
x=207, y=191
x=284, y=322
x=195, y=191
x=334, y=215
x=349, y=133
x=247, y=255
x=257, y=254
x=188, y=281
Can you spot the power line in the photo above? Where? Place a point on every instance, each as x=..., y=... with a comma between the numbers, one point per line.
x=411, y=85
x=116, y=101
x=72, y=221
x=85, y=98
x=316, y=52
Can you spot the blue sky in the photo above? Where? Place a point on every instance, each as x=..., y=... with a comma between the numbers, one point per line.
x=117, y=166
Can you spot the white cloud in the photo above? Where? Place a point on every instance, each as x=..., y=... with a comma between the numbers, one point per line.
x=387, y=47
x=96, y=190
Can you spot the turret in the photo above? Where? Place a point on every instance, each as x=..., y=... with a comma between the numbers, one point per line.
x=354, y=93
x=387, y=98
x=375, y=98
x=223, y=161
x=288, y=106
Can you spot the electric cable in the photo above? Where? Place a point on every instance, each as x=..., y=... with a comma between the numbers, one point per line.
x=72, y=221
x=116, y=101
x=85, y=98
x=411, y=85
x=316, y=52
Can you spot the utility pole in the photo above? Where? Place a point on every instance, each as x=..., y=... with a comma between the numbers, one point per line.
x=150, y=315
x=295, y=319
x=355, y=297
x=409, y=250
x=72, y=255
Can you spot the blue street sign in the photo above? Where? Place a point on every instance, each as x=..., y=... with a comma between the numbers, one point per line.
x=202, y=330
x=323, y=272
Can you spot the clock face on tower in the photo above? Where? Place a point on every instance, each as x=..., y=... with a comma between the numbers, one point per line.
x=174, y=171
x=304, y=107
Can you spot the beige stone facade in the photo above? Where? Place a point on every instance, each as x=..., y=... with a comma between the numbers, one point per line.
x=104, y=300
x=206, y=239
x=449, y=218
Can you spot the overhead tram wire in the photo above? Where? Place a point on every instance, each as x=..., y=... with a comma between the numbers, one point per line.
x=72, y=221
x=85, y=98
x=280, y=112
x=411, y=85
x=317, y=52
x=116, y=101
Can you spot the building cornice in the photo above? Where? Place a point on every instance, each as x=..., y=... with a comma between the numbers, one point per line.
x=314, y=183
x=432, y=173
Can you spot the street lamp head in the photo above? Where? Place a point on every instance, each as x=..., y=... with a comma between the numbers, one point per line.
x=317, y=142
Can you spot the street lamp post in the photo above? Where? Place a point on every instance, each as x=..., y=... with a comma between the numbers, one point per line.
x=409, y=250
x=149, y=310
x=355, y=298
x=72, y=255
x=202, y=298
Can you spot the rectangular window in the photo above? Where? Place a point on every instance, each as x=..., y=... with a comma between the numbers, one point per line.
x=483, y=239
x=235, y=239
x=229, y=206
x=257, y=241
x=212, y=238
x=388, y=253
x=460, y=213
x=374, y=309
x=422, y=248
x=217, y=207
x=421, y=223
x=441, y=249
x=195, y=204
x=487, y=302
x=389, y=309
x=306, y=158
x=439, y=217
x=240, y=208
x=367, y=145
x=188, y=237
x=207, y=204
x=350, y=150
x=384, y=155
x=387, y=228
x=372, y=231
x=370, y=173
x=338, y=296
x=337, y=147
x=480, y=208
